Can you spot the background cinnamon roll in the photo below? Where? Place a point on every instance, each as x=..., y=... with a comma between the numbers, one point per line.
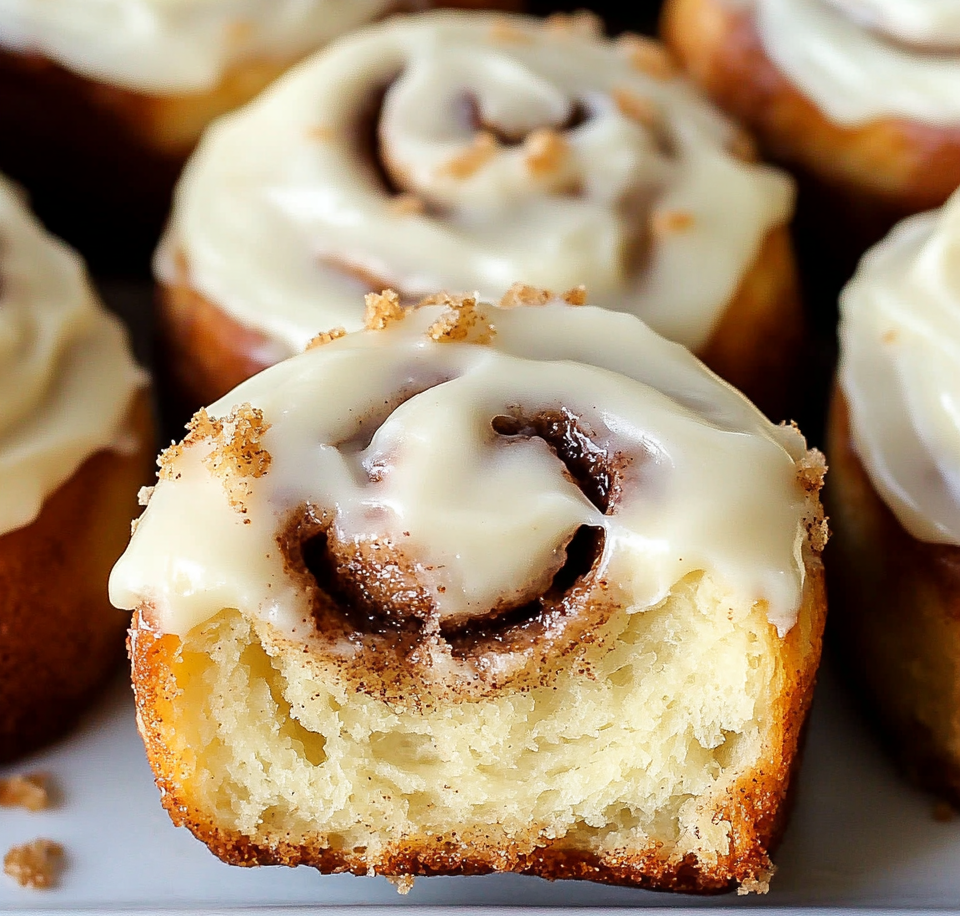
x=894, y=498
x=861, y=96
x=100, y=103
x=414, y=603
x=459, y=151
x=75, y=443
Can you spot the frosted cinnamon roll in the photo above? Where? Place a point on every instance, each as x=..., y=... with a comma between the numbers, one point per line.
x=75, y=444
x=895, y=493
x=534, y=592
x=470, y=151
x=861, y=96
x=106, y=99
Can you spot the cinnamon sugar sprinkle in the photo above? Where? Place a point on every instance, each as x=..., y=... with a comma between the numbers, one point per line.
x=472, y=159
x=648, y=56
x=520, y=295
x=237, y=452
x=326, y=337
x=635, y=107
x=462, y=322
x=545, y=151
x=30, y=791
x=670, y=222
x=35, y=864
x=381, y=309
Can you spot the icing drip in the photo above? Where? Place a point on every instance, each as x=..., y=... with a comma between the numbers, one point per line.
x=66, y=375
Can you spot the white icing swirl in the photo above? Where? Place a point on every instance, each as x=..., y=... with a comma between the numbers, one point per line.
x=167, y=47
x=534, y=154
x=844, y=59
x=705, y=481
x=66, y=374
x=900, y=371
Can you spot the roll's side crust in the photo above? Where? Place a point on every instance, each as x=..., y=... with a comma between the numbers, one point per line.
x=897, y=612
x=883, y=170
x=61, y=639
x=756, y=806
x=755, y=346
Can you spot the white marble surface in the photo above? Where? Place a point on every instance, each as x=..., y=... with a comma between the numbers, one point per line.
x=859, y=837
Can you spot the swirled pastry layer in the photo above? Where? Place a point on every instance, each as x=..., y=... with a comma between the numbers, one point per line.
x=66, y=373
x=167, y=47
x=900, y=371
x=471, y=151
x=469, y=467
x=863, y=60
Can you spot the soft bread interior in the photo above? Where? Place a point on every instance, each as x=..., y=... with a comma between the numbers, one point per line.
x=643, y=743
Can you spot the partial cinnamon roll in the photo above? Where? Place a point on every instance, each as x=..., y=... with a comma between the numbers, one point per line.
x=894, y=498
x=859, y=96
x=534, y=592
x=100, y=103
x=470, y=151
x=75, y=445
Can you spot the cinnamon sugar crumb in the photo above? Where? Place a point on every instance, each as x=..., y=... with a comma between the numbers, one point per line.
x=575, y=296
x=30, y=792
x=811, y=471
x=579, y=22
x=670, y=222
x=462, y=322
x=166, y=461
x=545, y=151
x=35, y=864
x=143, y=495
x=407, y=205
x=648, y=56
x=522, y=295
x=326, y=337
x=472, y=159
x=635, y=107
x=382, y=308
x=403, y=883
x=454, y=300
x=759, y=884
x=505, y=30
x=237, y=453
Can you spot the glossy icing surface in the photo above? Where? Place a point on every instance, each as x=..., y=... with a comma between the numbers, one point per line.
x=66, y=373
x=471, y=151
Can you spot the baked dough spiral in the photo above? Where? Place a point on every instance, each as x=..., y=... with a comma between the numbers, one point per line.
x=471, y=151
x=484, y=516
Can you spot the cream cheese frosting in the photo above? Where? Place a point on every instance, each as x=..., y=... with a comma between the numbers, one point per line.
x=392, y=435
x=863, y=60
x=900, y=371
x=66, y=373
x=470, y=151
x=166, y=47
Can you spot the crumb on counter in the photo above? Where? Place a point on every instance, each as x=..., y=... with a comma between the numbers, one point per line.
x=520, y=294
x=36, y=864
x=473, y=158
x=545, y=151
x=326, y=337
x=382, y=309
x=403, y=883
x=634, y=106
x=31, y=791
x=648, y=56
x=664, y=223
x=759, y=884
x=462, y=322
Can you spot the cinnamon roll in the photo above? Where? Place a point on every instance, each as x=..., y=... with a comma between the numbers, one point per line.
x=100, y=103
x=894, y=499
x=859, y=96
x=470, y=151
x=534, y=591
x=75, y=444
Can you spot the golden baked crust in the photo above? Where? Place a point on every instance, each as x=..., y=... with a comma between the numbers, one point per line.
x=755, y=346
x=755, y=804
x=897, y=614
x=872, y=175
x=61, y=639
